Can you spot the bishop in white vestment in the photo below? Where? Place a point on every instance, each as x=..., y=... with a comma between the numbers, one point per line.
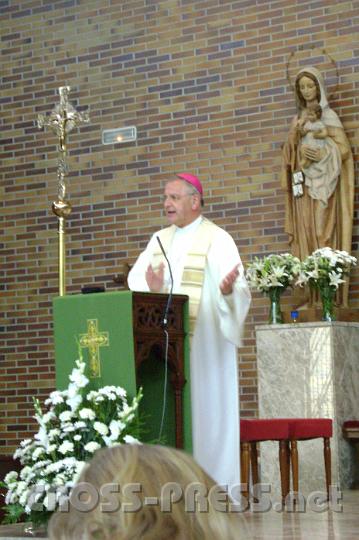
x=206, y=265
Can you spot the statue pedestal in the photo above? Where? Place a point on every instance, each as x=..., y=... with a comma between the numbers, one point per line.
x=310, y=370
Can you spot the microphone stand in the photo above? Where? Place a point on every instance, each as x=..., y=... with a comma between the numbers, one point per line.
x=165, y=329
x=169, y=300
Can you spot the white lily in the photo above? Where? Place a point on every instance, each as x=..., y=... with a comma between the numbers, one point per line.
x=335, y=279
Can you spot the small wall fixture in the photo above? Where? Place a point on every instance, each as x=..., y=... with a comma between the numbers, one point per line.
x=119, y=135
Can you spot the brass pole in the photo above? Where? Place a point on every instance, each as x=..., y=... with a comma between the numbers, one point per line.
x=62, y=209
x=62, y=257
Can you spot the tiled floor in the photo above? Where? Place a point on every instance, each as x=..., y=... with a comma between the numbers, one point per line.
x=340, y=522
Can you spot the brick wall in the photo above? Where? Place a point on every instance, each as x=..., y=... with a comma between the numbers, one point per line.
x=205, y=82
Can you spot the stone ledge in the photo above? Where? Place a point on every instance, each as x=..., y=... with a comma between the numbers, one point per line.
x=315, y=315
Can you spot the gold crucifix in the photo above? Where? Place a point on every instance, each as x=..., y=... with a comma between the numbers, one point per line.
x=92, y=341
x=63, y=119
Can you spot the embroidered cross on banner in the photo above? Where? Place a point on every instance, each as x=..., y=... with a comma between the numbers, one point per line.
x=92, y=341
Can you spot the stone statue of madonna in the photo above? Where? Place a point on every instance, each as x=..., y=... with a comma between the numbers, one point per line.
x=310, y=221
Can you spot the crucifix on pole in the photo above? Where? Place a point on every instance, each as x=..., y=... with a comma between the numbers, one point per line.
x=62, y=120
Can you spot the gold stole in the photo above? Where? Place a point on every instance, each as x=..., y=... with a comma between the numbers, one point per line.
x=195, y=262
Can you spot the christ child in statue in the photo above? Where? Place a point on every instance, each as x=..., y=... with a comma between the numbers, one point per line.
x=313, y=132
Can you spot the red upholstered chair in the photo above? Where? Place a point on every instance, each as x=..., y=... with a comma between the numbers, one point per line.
x=301, y=429
x=253, y=431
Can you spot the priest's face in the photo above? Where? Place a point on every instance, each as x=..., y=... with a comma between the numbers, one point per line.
x=182, y=203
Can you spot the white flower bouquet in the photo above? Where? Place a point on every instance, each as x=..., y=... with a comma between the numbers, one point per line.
x=272, y=275
x=78, y=422
x=273, y=271
x=326, y=267
x=324, y=271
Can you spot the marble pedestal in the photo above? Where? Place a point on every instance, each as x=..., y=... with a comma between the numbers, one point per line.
x=310, y=370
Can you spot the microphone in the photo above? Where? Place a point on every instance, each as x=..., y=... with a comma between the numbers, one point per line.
x=165, y=320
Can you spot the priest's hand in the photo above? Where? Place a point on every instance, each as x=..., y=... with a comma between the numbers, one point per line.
x=155, y=279
x=226, y=285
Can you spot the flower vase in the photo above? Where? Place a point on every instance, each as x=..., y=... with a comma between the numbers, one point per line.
x=327, y=296
x=275, y=314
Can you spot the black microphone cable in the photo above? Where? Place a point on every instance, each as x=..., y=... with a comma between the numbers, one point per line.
x=165, y=330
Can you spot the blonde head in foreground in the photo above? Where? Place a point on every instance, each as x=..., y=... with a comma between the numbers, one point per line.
x=147, y=471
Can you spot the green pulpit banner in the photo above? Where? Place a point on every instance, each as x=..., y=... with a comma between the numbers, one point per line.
x=100, y=325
